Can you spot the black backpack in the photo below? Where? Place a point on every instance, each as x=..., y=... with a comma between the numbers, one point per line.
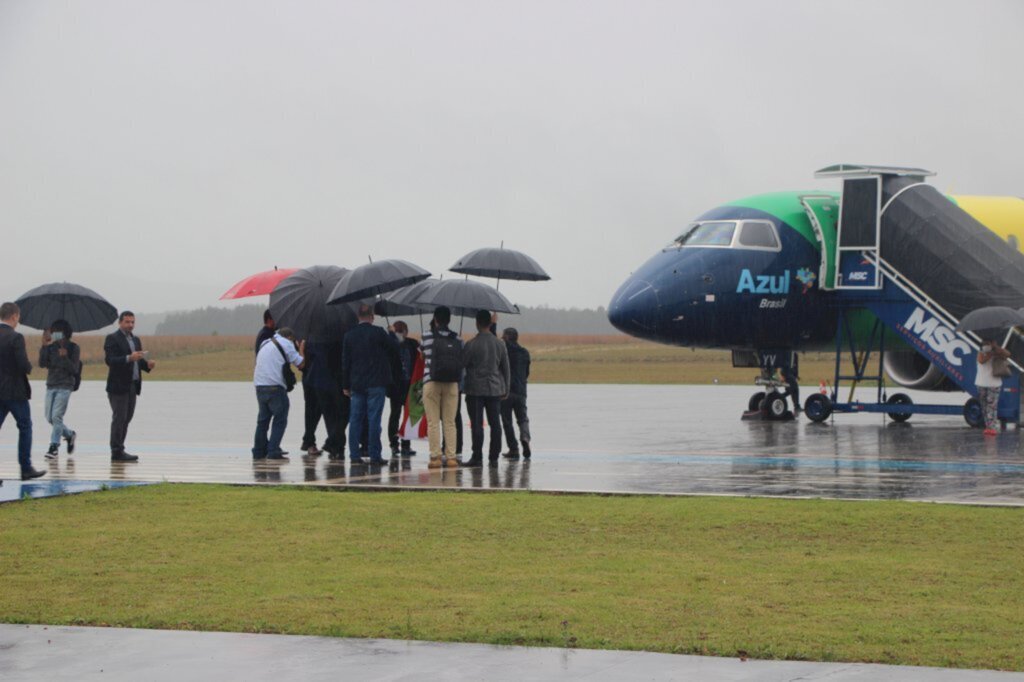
x=445, y=358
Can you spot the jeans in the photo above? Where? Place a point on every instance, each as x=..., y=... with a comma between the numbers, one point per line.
x=23, y=418
x=55, y=406
x=515, y=404
x=274, y=403
x=478, y=404
x=367, y=406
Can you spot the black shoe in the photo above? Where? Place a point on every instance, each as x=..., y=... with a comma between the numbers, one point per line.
x=526, y=449
x=358, y=460
x=511, y=454
x=123, y=457
x=282, y=455
x=379, y=461
x=408, y=453
x=472, y=462
x=396, y=451
x=492, y=461
x=52, y=452
x=71, y=442
x=29, y=474
x=335, y=455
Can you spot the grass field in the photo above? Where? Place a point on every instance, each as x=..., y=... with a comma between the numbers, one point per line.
x=888, y=582
x=556, y=359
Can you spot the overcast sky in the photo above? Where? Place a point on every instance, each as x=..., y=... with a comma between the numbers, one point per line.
x=159, y=151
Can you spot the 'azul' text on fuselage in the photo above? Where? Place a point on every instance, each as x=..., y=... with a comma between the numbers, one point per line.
x=763, y=284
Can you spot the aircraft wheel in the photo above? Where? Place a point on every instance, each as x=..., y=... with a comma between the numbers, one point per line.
x=818, y=407
x=774, y=406
x=899, y=399
x=973, y=414
x=755, y=401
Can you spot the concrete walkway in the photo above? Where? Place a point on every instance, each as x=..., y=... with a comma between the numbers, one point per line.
x=36, y=652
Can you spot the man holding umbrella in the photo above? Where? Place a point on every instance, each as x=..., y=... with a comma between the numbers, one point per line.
x=15, y=390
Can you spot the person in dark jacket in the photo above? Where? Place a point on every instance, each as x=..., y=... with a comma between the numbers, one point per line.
x=486, y=382
x=515, y=403
x=266, y=331
x=62, y=359
x=408, y=351
x=367, y=360
x=126, y=361
x=15, y=390
x=322, y=376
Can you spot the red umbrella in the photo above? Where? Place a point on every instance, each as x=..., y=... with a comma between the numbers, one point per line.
x=260, y=284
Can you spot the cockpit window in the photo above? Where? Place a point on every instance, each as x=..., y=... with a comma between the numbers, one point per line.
x=759, y=235
x=717, y=233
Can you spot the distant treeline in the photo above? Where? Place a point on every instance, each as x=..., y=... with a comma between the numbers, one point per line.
x=246, y=319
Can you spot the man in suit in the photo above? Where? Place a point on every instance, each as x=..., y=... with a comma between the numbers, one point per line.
x=15, y=390
x=126, y=362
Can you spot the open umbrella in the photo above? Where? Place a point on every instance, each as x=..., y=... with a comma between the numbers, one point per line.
x=374, y=279
x=992, y=317
x=83, y=308
x=300, y=302
x=500, y=263
x=465, y=297
x=260, y=284
x=403, y=301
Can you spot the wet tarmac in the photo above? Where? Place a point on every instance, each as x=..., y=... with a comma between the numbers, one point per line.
x=607, y=439
x=35, y=652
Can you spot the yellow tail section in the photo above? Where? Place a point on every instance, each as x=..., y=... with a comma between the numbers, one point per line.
x=1002, y=215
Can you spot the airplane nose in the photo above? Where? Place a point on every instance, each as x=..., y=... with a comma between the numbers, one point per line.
x=634, y=307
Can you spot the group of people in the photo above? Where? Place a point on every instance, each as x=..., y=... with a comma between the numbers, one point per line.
x=347, y=383
x=61, y=357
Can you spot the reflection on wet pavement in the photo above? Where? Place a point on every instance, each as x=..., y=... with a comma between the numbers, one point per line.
x=614, y=439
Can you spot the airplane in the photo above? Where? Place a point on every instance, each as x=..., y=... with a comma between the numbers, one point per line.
x=769, y=276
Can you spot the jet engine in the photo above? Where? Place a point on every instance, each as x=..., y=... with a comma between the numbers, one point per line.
x=912, y=370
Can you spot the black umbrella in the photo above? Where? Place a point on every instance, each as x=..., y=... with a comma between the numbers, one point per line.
x=374, y=279
x=500, y=263
x=300, y=302
x=83, y=308
x=404, y=300
x=465, y=297
x=992, y=317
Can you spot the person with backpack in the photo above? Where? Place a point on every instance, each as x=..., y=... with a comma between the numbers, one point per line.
x=62, y=359
x=485, y=360
x=442, y=371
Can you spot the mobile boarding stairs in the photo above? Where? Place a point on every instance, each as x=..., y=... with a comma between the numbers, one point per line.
x=919, y=263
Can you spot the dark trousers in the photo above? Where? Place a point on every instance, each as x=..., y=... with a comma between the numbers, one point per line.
x=313, y=414
x=397, y=406
x=22, y=412
x=478, y=405
x=122, y=405
x=364, y=420
x=515, y=405
x=274, y=404
x=335, y=411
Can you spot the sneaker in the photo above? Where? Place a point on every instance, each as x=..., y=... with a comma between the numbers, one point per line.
x=991, y=432
x=396, y=451
x=71, y=442
x=52, y=452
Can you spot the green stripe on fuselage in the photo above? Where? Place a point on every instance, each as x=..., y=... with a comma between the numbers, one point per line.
x=786, y=207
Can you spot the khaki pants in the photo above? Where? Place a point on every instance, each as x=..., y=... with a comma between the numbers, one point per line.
x=441, y=401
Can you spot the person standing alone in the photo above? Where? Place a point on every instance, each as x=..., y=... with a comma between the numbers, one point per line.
x=992, y=368
x=126, y=361
x=15, y=390
x=62, y=359
x=487, y=379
